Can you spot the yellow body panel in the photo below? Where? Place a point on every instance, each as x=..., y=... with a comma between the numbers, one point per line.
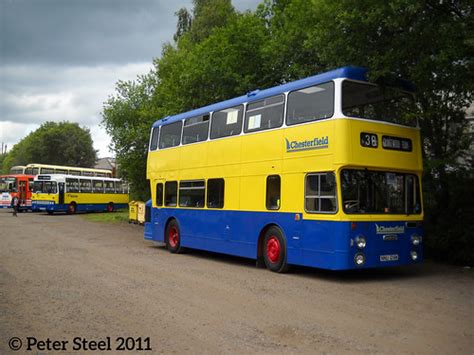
x=82, y=198
x=245, y=161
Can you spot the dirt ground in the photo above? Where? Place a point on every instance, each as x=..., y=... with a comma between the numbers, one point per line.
x=63, y=277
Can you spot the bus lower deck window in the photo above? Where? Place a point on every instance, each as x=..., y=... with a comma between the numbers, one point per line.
x=191, y=193
x=320, y=195
x=159, y=194
x=215, y=193
x=171, y=193
x=273, y=192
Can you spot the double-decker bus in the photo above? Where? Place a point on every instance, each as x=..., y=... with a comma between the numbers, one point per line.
x=322, y=172
x=19, y=185
x=37, y=169
x=69, y=193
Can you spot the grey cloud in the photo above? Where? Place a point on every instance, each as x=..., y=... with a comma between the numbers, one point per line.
x=85, y=31
x=88, y=31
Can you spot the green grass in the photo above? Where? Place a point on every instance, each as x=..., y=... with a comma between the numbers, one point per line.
x=104, y=217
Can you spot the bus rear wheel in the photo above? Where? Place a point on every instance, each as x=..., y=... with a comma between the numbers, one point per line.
x=173, y=237
x=110, y=207
x=274, y=250
x=71, y=208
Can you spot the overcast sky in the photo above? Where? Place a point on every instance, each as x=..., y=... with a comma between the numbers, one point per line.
x=60, y=59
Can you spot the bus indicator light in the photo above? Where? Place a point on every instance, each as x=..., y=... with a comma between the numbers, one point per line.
x=297, y=217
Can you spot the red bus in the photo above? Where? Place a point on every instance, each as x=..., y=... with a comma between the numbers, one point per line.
x=16, y=185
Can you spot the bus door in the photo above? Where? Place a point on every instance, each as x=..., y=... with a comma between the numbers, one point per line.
x=22, y=191
x=61, y=193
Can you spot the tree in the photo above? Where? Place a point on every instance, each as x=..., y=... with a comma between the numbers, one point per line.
x=128, y=117
x=62, y=143
x=209, y=15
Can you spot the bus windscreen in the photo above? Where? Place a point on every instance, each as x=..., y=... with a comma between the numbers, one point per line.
x=47, y=187
x=7, y=184
x=379, y=103
x=378, y=192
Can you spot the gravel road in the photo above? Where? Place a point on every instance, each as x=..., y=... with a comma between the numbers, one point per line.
x=63, y=277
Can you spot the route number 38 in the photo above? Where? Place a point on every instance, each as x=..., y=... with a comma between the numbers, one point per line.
x=369, y=140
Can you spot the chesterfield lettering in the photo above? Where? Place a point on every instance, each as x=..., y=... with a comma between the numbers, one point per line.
x=316, y=143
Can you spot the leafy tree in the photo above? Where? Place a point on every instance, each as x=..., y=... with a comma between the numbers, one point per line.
x=128, y=117
x=225, y=64
x=209, y=15
x=62, y=143
x=184, y=23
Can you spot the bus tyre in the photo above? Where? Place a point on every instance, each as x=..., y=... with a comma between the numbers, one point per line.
x=110, y=207
x=274, y=250
x=71, y=208
x=173, y=237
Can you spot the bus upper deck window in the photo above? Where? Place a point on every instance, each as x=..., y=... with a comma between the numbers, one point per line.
x=154, y=138
x=310, y=104
x=170, y=135
x=227, y=122
x=264, y=114
x=196, y=129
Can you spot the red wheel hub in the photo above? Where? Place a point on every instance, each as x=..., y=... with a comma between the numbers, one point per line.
x=173, y=237
x=273, y=249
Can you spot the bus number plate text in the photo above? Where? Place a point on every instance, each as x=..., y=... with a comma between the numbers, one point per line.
x=392, y=257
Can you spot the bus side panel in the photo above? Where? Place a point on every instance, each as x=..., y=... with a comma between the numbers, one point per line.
x=325, y=244
x=227, y=232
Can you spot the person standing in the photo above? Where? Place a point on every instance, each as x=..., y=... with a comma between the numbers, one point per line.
x=15, y=203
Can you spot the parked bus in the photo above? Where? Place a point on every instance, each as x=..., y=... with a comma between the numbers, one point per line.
x=16, y=185
x=17, y=170
x=322, y=172
x=69, y=193
x=37, y=169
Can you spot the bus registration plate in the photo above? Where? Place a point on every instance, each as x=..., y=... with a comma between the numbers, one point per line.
x=392, y=257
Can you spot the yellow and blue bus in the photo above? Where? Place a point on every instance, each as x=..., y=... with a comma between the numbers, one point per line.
x=70, y=193
x=322, y=172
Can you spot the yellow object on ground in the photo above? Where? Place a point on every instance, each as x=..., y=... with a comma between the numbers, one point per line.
x=141, y=212
x=133, y=212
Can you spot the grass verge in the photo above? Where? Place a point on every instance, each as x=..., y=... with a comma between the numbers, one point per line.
x=104, y=217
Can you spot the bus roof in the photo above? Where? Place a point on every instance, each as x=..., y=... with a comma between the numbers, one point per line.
x=36, y=165
x=354, y=73
x=62, y=177
x=17, y=176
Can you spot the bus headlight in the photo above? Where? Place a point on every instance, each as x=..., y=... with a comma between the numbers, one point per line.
x=359, y=259
x=416, y=240
x=414, y=255
x=360, y=242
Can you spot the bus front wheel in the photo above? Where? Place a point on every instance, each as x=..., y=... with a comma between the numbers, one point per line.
x=173, y=237
x=71, y=208
x=110, y=207
x=274, y=250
